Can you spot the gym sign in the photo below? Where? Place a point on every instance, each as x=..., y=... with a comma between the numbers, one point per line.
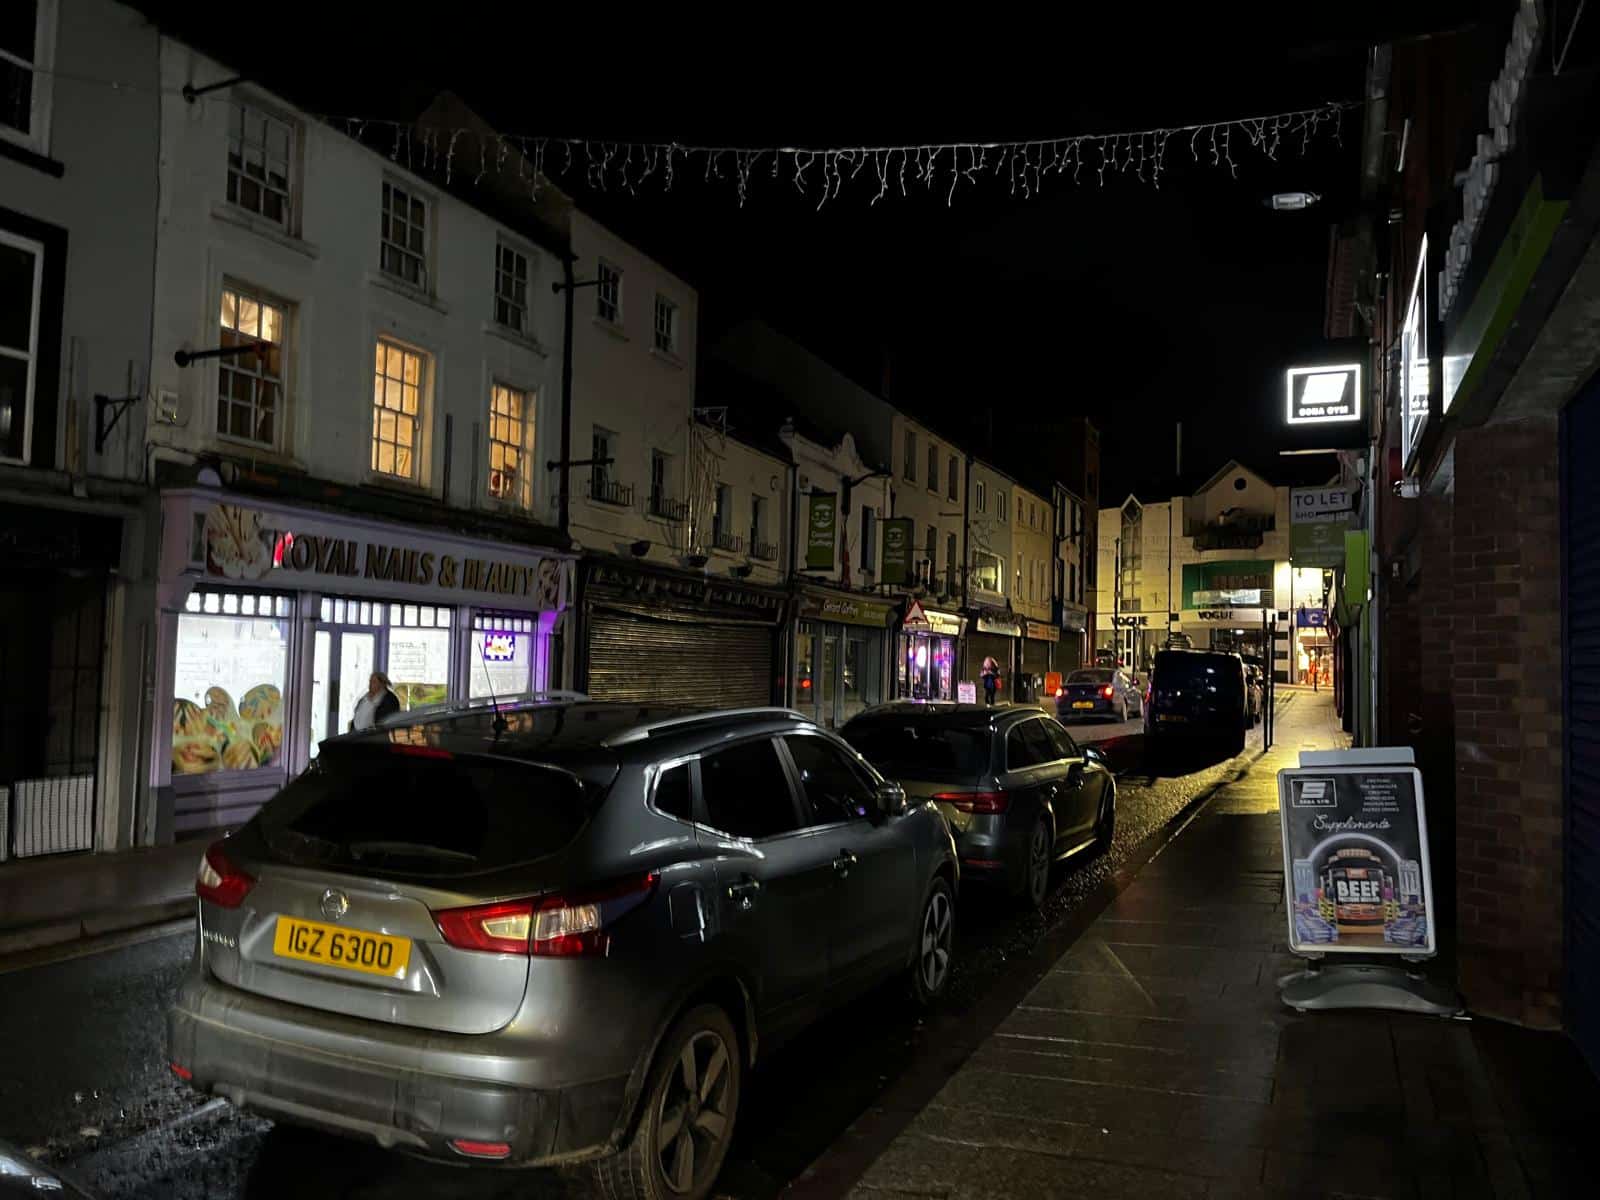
x=1323, y=394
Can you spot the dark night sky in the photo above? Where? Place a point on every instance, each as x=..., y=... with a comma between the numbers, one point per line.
x=1133, y=306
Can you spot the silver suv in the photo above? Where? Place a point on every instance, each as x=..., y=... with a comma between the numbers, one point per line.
x=555, y=932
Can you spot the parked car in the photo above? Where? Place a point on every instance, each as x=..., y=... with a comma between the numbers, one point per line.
x=555, y=931
x=1197, y=695
x=1255, y=690
x=1017, y=790
x=1099, y=692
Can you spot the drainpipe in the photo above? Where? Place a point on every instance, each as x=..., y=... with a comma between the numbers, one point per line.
x=564, y=499
x=966, y=555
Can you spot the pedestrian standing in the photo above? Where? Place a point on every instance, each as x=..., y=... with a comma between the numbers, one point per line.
x=377, y=705
x=991, y=679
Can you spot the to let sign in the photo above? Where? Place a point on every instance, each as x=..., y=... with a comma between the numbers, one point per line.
x=1321, y=504
x=1323, y=394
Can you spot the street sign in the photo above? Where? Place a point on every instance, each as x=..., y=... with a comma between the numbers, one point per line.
x=1355, y=860
x=1321, y=504
x=1323, y=394
x=1317, y=544
x=897, y=537
x=822, y=531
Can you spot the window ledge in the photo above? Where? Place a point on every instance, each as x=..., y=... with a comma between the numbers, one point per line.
x=614, y=328
x=666, y=356
x=520, y=340
x=252, y=452
x=29, y=157
x=240, y=219
x=398, y=487
x=399, y=288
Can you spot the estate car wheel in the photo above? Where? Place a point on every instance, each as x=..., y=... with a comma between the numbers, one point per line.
x=1124, y=710
x=1105, y=825
x=930, y=965
x=686, y=1116
x=1036, y=872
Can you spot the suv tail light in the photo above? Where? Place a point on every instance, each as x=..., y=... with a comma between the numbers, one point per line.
x=559, y=925
x=976, y=802
x=219, y=881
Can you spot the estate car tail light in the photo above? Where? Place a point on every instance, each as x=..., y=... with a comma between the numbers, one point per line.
x=976, y=802
x=1107, y=691
x=558, y=925
x=219, y=881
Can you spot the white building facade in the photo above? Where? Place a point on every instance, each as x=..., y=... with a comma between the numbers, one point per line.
x=355, y=385
x=1214, y=566
x=78, y=162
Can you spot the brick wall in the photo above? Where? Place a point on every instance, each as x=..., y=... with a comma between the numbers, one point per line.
x=1503, y=657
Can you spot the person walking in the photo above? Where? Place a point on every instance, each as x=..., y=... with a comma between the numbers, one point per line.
x=991, y=679
x=377, y=706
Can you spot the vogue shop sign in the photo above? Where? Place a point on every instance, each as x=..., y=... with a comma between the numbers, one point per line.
x=285, y=548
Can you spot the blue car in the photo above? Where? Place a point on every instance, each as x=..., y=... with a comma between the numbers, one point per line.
x=1099, y=692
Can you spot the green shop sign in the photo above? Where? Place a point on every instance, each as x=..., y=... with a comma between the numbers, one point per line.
x=897, y=537
x=847, y=610
x=1317, y=544
x=822, y=531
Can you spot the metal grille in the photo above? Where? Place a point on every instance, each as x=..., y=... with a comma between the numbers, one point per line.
x=54, y=816
x=682, y=659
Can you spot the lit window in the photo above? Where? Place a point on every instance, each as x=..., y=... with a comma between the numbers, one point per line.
x=510, y=427
x=250, y=383
x=259, y=148
x=27, y=29
x=21, y=277
x=666, y=325
x=511, y=288
x=396, y=411
x=608, y=294
x=405, y=235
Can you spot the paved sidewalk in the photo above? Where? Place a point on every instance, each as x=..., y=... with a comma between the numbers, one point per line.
x=1155, y=1058
x=52, y=901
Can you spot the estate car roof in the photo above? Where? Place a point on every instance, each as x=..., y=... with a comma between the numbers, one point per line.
x=567, y=731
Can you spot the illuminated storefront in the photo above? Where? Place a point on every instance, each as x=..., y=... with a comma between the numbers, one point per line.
x=273, y=618
x=840, y=651
x=925, y=653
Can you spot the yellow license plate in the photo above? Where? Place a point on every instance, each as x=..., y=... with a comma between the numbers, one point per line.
x=348, y=949
x=1083, y=704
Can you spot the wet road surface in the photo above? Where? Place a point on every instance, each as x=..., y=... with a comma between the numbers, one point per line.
x=86, y=1083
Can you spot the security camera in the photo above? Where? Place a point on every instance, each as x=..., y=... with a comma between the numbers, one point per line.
x=1407, y=489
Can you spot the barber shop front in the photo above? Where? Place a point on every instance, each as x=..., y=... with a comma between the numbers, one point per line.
x=274, y=617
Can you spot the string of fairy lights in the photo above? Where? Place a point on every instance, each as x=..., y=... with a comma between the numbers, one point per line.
x=1024, y=167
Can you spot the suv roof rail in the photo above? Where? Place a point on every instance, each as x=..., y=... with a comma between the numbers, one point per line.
x=640, y=732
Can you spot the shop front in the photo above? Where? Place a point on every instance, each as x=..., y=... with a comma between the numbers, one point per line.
x=274, y=617
x=1313, y=648
x=925, y=653
x=1234, y=630
x=654, y=634
x=840, y=652
x=997, y=634
x=58, y=583
x=1039, y=654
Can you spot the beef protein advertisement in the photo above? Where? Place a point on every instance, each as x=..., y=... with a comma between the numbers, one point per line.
x=1356, y=861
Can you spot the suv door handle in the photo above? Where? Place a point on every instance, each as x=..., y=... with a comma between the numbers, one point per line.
x=744, y=893
x=844, y=862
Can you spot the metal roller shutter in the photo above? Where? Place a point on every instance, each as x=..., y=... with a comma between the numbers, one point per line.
x=1581, y=567
x=682, y=658
x=990, y=645
x=1035, y=656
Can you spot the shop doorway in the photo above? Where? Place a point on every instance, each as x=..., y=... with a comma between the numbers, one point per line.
x=836, y=671
x=410, y=643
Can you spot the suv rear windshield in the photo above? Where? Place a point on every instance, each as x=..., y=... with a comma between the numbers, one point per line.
x=1192, y=669
x=919, y=748
x=381, y=812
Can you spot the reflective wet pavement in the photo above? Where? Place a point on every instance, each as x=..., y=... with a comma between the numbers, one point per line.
x=1154, y=1057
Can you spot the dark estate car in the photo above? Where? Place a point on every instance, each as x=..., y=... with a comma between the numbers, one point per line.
x=1018, y=791
x=1197, y=694
x=555, y=931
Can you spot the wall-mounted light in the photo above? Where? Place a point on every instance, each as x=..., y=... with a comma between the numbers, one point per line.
x=1291, y=201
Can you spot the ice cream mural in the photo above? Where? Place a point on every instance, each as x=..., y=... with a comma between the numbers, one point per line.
x=222, y=737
